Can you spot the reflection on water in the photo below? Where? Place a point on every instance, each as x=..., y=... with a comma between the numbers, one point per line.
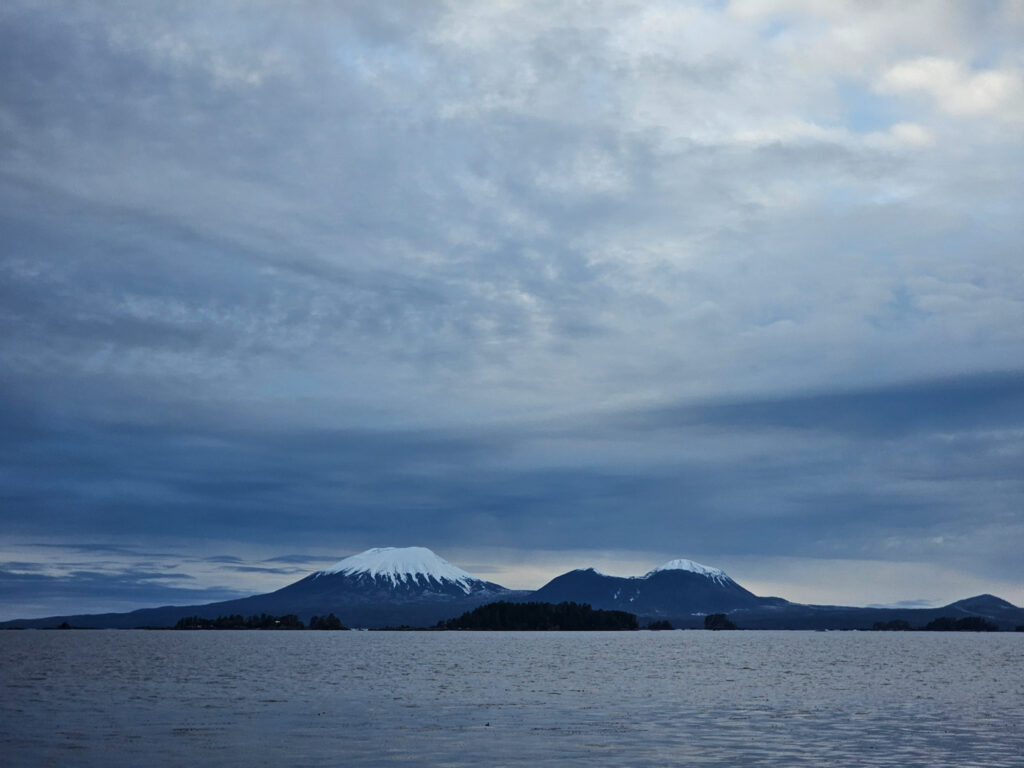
x=638, y=698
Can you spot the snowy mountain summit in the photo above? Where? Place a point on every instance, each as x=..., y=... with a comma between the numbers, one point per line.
x=682, y=564
x=405, y=566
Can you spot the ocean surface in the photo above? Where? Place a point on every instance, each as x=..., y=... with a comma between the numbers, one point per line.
x=99, y=698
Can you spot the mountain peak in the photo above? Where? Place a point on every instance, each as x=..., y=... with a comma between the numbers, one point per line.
x=980, y=602
x=682, y=564
x=403, y=564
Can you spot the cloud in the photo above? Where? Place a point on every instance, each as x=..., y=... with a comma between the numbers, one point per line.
x=997, y=94
x=905, y=604
x=34, y=594
x=301, y=559
x=264, y=569
x=946, y=406
x=913, y=134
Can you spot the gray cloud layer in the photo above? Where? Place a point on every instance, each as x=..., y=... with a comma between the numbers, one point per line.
x=722, y=278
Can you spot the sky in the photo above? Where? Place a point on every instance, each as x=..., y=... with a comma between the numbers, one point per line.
x=536, y=285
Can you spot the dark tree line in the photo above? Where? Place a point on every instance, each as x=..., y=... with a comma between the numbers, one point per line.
x=967, y=624
x=263, y=621
x=896, y=625
x=941, y=624
x=330, y=621
x=718, y=621
x=506, y=616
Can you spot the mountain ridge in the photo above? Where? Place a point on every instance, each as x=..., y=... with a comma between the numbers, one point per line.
x=413, y=586
x=670, y=590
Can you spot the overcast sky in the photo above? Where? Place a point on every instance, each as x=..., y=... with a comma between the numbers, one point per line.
x=535, y=285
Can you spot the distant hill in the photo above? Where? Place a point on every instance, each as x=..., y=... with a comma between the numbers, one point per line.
x=786, y=615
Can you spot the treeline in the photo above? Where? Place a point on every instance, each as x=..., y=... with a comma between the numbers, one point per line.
x=505, y=616
x=718, y=621
x=941, y=624
x=263, y=621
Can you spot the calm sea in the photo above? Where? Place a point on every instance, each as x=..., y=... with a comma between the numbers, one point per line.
x=618, y=698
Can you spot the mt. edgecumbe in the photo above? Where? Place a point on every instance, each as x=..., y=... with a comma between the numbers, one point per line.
x=389, y=586
x=389, y=571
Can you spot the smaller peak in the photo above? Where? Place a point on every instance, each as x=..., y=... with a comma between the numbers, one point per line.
x=682, y=564
x=986, y=599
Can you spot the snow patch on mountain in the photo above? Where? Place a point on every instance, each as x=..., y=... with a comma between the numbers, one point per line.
x=403, y=564
x=682, y=564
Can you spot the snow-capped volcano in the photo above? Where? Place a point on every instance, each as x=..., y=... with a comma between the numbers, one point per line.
x=682, y=564
x=398, y=573
x=404, y=565
x=385, y=586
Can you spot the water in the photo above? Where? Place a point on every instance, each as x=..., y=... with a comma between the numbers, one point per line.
x=452, y=698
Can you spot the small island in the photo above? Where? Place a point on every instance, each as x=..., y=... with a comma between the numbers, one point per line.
x=263, y=621
x=566, y=617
